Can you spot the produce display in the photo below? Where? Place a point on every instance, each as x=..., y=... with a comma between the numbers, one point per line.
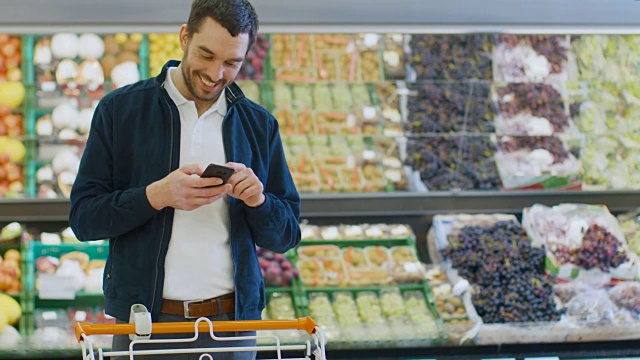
x=605, y=108
x=604, y=155
x=344, y=306
x=606, y=57
x=66, y=122
x=626, y=295
x=446, y=108
x=581, y=237
x=341, y=164
x=531, y=58
x=293, y=57
x=374, y=316
x=419, y=315
x=276, y=270
x=393, y=56
x=454, y=162
x=162, y=48
x=507, y=273
x=253, y=65
x=10, y=273
x=355, y=232
x=10, y=124
x=531, y=109
x=370, y=311
x=87, y=273
x=12, y=156
x=630, y=224
x=523, y=160
x=69, y=65
x=10, y=58
x=281, y=307
x=452, y=57
x=606, y=114
x=251, y=90
x=347, y=57
x=58, y=171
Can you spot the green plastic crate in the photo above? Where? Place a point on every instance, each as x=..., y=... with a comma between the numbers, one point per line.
x=36, y=249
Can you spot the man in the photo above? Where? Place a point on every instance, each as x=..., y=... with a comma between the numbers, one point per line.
x=176, y=238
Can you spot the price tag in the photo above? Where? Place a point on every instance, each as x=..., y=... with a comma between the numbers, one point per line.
x=56, y=287
x=50, y=315
x=411, y=268
x=351, y=120
x=543, y=358
x=48, y=86
x=371, y=40
x=81, y=316
x=368, y=112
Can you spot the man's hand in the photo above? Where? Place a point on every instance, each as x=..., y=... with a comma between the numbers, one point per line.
x=246, y=186
x=181, y=190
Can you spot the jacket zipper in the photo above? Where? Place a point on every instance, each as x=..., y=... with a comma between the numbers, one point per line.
x=164, y=221
x=224, y=145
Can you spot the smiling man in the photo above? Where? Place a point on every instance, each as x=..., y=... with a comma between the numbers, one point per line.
x=180, y=244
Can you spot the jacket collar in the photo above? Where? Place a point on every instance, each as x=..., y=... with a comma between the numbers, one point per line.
x=232, y=93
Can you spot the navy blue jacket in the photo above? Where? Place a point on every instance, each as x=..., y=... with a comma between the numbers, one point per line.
x=135, y=140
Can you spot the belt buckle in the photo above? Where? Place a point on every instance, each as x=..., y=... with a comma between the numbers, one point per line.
x=186, y=304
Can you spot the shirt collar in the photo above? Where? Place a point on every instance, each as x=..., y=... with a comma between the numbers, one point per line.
x=220, y=105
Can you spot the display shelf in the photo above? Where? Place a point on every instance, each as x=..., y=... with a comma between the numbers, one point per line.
x=547, y=16
x=82, y=299
x=359, y=243
x=376, y=204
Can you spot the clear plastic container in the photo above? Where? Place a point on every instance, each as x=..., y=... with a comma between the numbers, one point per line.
x=344, y=306
x=311, y=272
x=281, y=307
x=376, y=231
x=334, y=272
x=321, y=311
x=370, y=312
x=377, y=255
x=355, y=258
x=319, y=251
x=419, y=314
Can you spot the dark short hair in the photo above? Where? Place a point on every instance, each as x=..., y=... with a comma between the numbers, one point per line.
x=237, y=16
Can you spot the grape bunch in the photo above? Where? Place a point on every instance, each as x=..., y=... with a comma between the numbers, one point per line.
x=446, y=108
x=438, y=108
x=447, y=162
x=600, y=249
x=452, y=57
x=549, y=46
x=530, y=143
x=506, y=271
x=253, y=66
x=540, y=100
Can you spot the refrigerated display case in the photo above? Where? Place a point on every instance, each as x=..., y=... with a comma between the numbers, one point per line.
x=445, y=82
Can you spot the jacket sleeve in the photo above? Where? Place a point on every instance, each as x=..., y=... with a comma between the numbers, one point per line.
x=275, y=224
x=97, y=210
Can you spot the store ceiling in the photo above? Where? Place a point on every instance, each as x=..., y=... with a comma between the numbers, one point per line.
x=566, y=16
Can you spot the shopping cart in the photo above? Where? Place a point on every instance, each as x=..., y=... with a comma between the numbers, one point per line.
x=140, y=330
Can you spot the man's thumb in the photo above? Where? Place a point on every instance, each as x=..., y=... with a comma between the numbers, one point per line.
x=191, y=169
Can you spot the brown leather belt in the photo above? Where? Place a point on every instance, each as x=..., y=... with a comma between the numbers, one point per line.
x=198, y=308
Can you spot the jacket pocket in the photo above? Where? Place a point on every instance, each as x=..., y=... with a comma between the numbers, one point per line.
x=107, y=277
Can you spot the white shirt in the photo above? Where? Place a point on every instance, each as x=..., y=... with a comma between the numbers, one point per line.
x=198, y=264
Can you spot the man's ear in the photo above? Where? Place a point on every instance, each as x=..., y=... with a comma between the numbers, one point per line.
x=184, y=37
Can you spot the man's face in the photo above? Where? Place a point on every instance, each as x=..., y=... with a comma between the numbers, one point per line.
x=212, y=59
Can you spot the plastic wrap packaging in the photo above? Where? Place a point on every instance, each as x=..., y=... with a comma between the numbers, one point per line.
x=583, y=242
x=626, y=295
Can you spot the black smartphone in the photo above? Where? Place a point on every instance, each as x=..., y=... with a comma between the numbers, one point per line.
x=219, y=171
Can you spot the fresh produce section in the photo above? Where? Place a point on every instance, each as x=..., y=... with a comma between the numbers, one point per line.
x=480, y=112
x=468, y=86
x=531, y=58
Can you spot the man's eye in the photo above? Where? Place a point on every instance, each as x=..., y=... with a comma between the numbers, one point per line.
x=233, y=64
x=207, y=57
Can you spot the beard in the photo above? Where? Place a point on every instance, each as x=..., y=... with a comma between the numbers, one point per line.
x=194, y=84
